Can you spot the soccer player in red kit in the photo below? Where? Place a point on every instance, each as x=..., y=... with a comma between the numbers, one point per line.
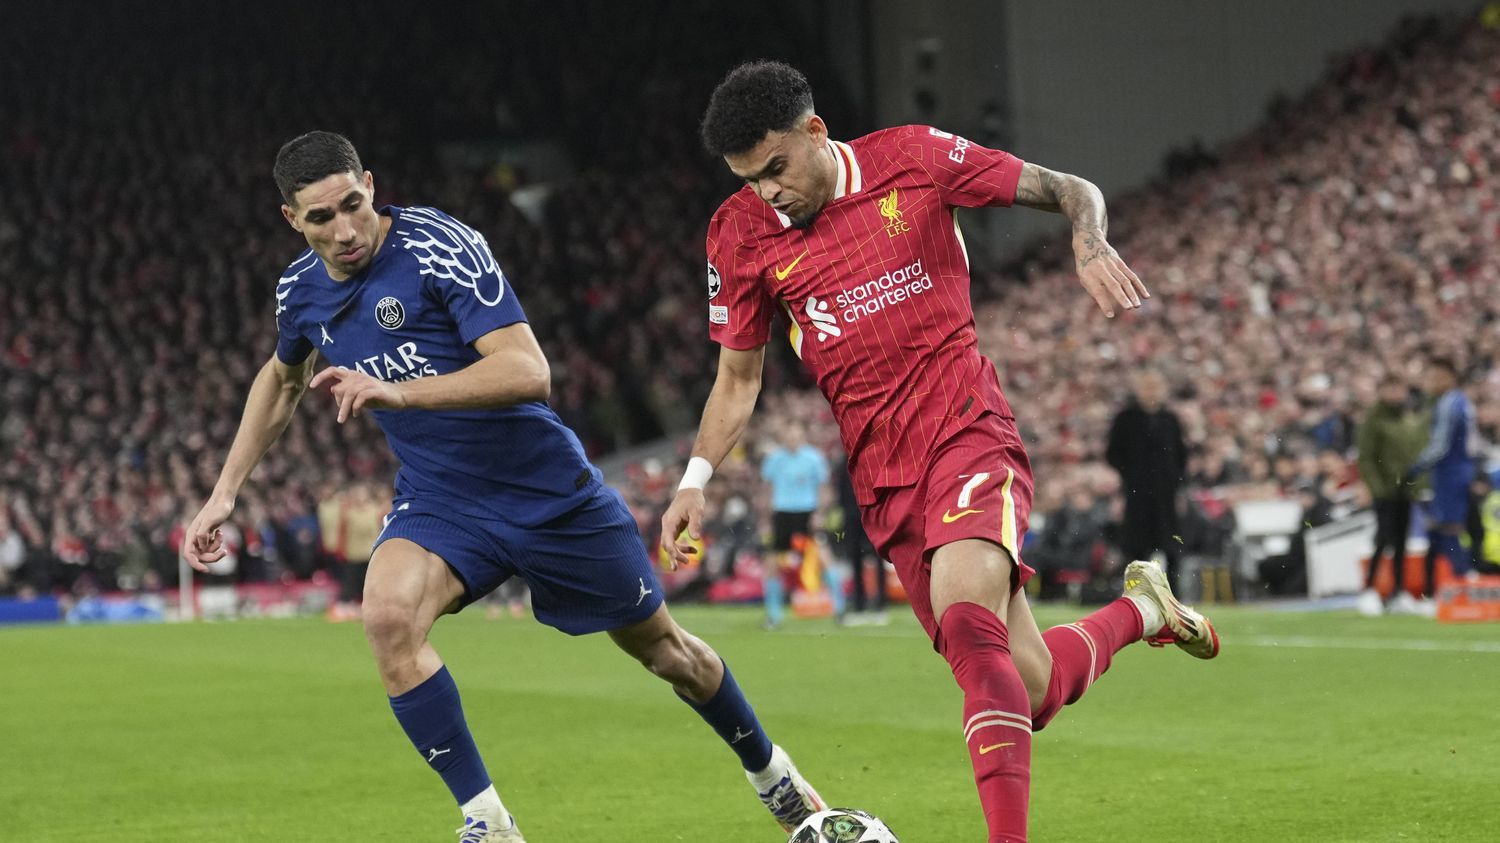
x=858, y=245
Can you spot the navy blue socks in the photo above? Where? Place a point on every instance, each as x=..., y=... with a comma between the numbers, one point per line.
x=433, y=717
x=730, y=715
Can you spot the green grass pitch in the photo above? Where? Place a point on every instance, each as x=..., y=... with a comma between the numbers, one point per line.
x=1316, y=727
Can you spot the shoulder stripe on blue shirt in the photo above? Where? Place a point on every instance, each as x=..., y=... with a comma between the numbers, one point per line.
x=294, y=270
x=448, y=250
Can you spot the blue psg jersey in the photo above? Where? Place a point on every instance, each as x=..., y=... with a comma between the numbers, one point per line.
x=429, y=292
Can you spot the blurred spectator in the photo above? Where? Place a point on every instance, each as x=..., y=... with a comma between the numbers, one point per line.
x=1072, y=541
x=331, y=526
x=866, y=566
x=1487, y=559
x=12, y=555
x=359, y=519
x=1286, y=574
x=1147, y=448
x=1390, y=438
x=734, y=522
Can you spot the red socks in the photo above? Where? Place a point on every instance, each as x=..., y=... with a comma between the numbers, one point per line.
x=997, y=725
x=1081, y=652
x=997, y=728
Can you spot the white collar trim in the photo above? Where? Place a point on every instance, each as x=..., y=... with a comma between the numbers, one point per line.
x=850, y=179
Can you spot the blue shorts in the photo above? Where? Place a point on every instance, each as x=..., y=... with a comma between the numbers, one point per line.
x=588, y=569
x=1450, y=496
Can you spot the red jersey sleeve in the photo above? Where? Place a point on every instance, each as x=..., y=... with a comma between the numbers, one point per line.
x=966, y=174
x=740, y=309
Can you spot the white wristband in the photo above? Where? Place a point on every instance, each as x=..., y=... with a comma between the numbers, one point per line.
x=697, y=474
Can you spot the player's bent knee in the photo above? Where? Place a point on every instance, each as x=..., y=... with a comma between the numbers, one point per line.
x=390, y=625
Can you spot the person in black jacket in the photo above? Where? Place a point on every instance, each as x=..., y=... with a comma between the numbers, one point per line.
x=1147, y=448
x=854, y=544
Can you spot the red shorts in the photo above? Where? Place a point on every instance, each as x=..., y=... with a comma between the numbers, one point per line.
x=977, y=485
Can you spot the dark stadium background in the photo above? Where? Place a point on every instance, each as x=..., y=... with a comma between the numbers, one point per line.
x=1326, y=232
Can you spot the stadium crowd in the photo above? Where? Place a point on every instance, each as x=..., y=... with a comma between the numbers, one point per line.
x=140, y=246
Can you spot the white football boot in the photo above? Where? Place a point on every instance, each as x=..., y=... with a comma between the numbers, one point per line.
x=1184, y=627
x=784, y=792
x=484, y=828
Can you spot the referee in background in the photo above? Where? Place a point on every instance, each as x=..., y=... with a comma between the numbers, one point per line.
x=795, y=471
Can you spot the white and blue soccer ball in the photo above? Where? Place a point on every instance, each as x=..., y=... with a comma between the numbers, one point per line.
x=842, y=825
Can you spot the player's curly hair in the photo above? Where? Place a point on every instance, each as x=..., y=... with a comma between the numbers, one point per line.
x=755, y=98
x=311, y=158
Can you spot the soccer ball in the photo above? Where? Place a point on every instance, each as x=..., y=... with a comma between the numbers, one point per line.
x=842, y=825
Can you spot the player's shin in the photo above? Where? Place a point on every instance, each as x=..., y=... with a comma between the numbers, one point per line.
x=729, y=714
x=432, y=716
x=1082, y=651
x=1451, y=547
x=775, y=598
x=997, y=725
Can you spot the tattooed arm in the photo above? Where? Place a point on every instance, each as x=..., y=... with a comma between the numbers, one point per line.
x=1101, y=271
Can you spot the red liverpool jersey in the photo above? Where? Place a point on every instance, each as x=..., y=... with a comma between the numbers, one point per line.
x=876, y=289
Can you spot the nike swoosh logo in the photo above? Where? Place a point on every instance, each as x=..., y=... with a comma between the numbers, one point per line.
x=985, y=750
x=781, y=274
x=949, y=517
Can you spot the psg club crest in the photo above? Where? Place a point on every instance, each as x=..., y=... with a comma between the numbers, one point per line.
x=714, y=281
x=389, y=313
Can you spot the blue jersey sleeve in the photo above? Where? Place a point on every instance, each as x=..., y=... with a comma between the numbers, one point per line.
x=459, y=269
x=1445, y=419
x=482, y=307
x=291, y=347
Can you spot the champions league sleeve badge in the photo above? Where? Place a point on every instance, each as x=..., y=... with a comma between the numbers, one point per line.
x=714, y=281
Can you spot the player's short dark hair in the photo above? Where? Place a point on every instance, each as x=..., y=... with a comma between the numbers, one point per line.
x=755, y=98
x=311, y=158
x=1444, y=363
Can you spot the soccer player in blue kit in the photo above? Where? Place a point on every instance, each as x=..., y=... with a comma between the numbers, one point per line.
x=1449, y=459
x=423, y=329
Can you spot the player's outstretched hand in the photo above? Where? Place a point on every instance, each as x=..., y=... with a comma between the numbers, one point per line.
x=204, y=544
x=686, y=511
x=1109, y=281
x=353, y=391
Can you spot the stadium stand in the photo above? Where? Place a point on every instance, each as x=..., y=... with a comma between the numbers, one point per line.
x=1358, y=223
